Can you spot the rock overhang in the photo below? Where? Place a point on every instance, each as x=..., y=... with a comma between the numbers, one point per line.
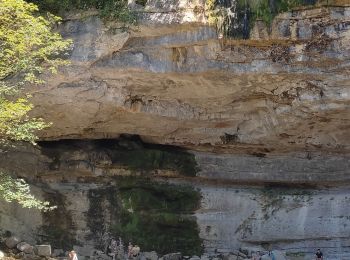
x=177, y=83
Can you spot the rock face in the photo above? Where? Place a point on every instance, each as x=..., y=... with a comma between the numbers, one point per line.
x=203, y=202
x=173, y=82
x=165, y=135
x=44, y=250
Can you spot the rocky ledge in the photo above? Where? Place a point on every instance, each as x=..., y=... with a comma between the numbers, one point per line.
x=172, y=81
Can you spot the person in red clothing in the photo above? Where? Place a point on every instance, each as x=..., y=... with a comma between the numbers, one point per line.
x=319, y=255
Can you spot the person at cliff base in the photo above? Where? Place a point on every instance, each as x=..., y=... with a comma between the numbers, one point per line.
x=72, y=255
x=112, y=249
x=319, y=255
x=129, y=249
x=135, y=251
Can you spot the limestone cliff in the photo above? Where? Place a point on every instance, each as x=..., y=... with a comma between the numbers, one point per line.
x=166, y=132
x=172, y=81
x=167, y=199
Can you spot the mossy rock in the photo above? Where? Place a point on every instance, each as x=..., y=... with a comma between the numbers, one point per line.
x=143, y=194
x=156, y=216
x=135, y=155
x=247, y=12
x=152, y=159
x=58, y=228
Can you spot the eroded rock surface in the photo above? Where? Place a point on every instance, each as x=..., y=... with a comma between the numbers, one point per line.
x=168, y=199
x=265, y=123
x=177, y=83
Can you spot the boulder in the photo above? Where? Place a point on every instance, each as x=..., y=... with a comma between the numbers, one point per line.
x=11, y=242
x=25, y=248
x=150, y=255
x=2, y=255
x=205, y=257
x=235, y=252
x=58, y=252
x=242, y=255
x=43, y=250
x=172, y=256
x=195, y=258
x=223, y=251
x=279, y=255
x=249, y=251
x=99, y=255
x=231, y=257
x=20, y=255
x=31, y=257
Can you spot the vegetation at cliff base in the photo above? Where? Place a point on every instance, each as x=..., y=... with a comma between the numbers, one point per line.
x=28, y=47
x=154, y=215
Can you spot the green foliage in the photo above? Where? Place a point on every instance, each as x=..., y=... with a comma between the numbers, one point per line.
x=110, y=9
x=141, y=2
x=265, y=10
x=150, y=159
x=18, y=190
x=138, y=157
x=141, y=195
x=15, y=124
x=156, y=216
x=26, y=41
x=28, y=47
x=58, y=226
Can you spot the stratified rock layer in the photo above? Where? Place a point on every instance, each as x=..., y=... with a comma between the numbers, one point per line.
x=266, y=122
x=168, y=199
x=173, y=82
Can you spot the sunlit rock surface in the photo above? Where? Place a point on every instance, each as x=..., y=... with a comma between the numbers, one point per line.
x=256, y=133
x=177, y=83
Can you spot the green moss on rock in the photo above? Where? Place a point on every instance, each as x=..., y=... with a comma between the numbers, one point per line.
x=246, y=13
x=147, y=159
x=58, y=229
x=156, y=216
x=133, y=155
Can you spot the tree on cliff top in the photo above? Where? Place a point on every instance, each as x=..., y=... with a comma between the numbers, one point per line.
x=28, y=47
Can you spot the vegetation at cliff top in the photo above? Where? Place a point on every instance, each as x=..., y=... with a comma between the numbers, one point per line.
x=28, y=47
x=265, y=10
x=110, y=9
